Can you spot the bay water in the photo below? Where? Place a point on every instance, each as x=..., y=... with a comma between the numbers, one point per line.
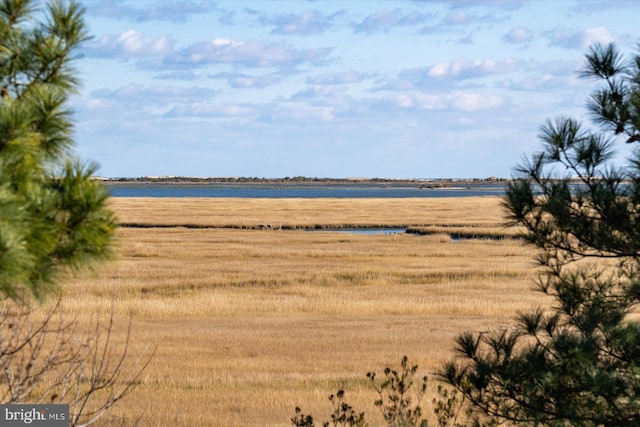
x=298, y=191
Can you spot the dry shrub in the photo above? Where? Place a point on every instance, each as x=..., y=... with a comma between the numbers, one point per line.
x=47, y=358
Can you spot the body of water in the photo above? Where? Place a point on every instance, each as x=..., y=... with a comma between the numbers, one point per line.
x=298, y=191
x=361, y=230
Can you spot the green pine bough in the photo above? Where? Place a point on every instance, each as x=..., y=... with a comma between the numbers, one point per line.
x=576, y=363
x=53, y=216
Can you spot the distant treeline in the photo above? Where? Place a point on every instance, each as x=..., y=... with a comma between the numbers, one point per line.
x=298, y=180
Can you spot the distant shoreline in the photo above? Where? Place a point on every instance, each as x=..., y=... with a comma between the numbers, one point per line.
x=390, y=182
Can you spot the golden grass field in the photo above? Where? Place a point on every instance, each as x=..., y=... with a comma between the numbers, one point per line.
x=250, y=323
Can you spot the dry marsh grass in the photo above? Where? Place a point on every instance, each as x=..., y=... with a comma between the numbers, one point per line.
x=250, y=213
x=250, y=323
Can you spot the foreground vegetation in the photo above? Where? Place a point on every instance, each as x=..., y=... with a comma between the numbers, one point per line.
x=251, y=323
x=576, y=361
x=53, y=218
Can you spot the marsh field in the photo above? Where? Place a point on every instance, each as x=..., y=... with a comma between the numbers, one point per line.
x=252, y=315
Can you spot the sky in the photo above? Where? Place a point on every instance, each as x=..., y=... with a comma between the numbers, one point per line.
x=333, y=89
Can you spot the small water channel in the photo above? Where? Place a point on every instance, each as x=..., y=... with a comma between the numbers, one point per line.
x=362, y=230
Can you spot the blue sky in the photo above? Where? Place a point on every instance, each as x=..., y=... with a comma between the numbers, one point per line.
x=390, y=89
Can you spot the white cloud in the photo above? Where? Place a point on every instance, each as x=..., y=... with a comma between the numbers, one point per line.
x=518, y=35
x=140, y=97
x=459, y=101
x=457, y=17
x=455, y=73
x=326, y=94
x=382, y=20
x=244, y=81
x=582, y=39
x=172, y=11
x=542, y=83
x=341, y=78
x=304, y=23
x=204, y=109
x=130, y=44
x=598, y=35
x=589, y=7
x=177, y=75
x=246, y=53
x=509, y=5
x=475, y=101
x=464, y=69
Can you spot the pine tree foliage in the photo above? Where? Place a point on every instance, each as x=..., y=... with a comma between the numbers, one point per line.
x=578, y=362
x=53, y=216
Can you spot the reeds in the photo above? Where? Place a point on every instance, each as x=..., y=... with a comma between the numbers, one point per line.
x=308, y=213
x=250, y=323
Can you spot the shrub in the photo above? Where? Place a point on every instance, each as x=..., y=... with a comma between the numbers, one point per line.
x=398, y=400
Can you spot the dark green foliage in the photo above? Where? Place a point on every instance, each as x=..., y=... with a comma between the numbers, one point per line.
x=302, y=420
x=578, y=362
x=52, y=214
x=343, y=415
x=53, y=217
x=448, y=407
x=398, y=400
x=396, y=395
